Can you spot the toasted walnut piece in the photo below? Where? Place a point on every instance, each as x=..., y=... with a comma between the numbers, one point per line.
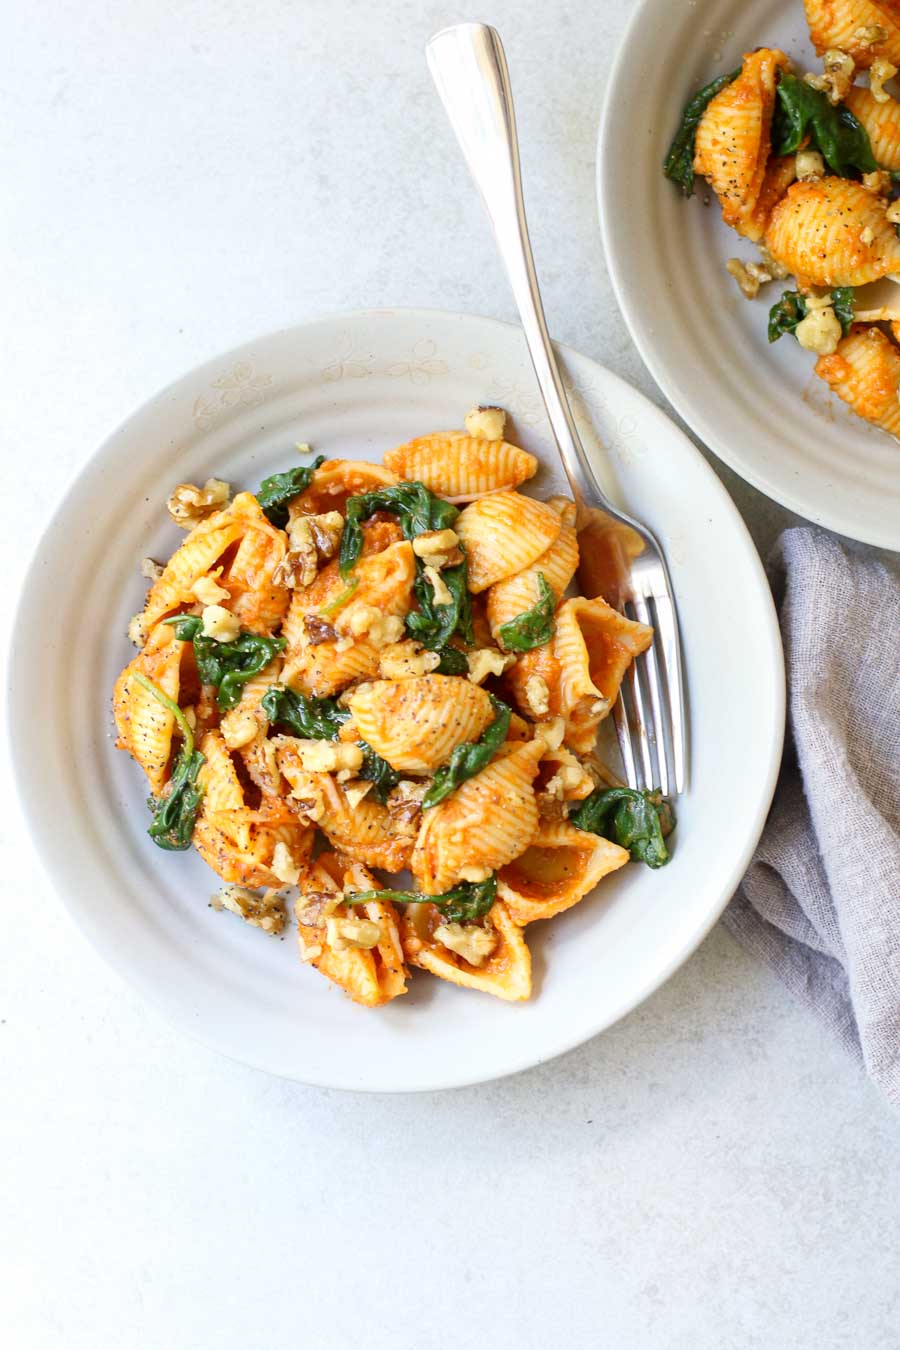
x=151, y=569
x=777, y=271
x=442, y=595
x=298, y=569
x=568, y=778
x=283, y=865
x=552, y=733
x=537, y=695
x=880, y=71
x=810, y=165
x=136, y=631
x=406, y=660
x=600, y=706
x=208, y=591
x=486, y=421
x=264, y=911
x=359, y=620
x=470, y=941
x=306, y=796
x=405, y=805
x=220, y=624
x=318, y=630
x=485, y=661
x=239, y=727
x=328, y=756
x=893, y=212
x=878, y=182
x=837, y=75
x=311, y=907
x=821, y=330
x=434, y=543
x=343, y=934
x=386, y=631
x=188, y=505
x=749, y=276
x=326, y=528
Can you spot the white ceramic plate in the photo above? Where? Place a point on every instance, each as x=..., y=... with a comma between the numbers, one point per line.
x=759, y=407
x=356, y=386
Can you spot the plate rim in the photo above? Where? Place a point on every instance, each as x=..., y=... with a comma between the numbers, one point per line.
x=641, y=333
x=28, y=791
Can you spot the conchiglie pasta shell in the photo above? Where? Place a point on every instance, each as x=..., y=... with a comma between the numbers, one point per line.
x=336, y=480
x=780, y=173
x=416, y=724
x=257, y=601
x=865, y=373
x=505, y=974
x=818, y=232
x=218, y=777
x=461, y=467
x=732, y=142
x=485, y=823
x=881, y=121
x=504, y=533
x=837, y=23
x=144, y=725
x=594, y=645
x=369, y=977
x=239, y=845
x=508, y=599
x=541, y=661
x=193, y=559
x=559, y=868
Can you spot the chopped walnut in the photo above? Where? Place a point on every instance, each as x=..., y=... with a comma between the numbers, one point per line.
x=264, y=911
x=312, y=541
x=345, y=934
x=151, y=569
x=239, y=727
x=485, y=661
x=810, y=165
x=442, y=594
x=311, y=907
x=188, y=505
x=468, y=940
x=776, y=269
x=386, y=631
x=406, y=661
x=405, y=803
x=328, y=756
x=318, y=630
x=878, y=182
x=537, y=695
x=837, y=75
x=880, y=71
x=306, y=795
x=283, y=865
x=893, y=212
x=552, y=733
x=486, y=422
x=820, y=331
x=208, y=591
x=749, y=276
x=220, y=624
x=439, y=548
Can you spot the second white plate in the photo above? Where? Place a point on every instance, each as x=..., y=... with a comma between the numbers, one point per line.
x=759, y=407
x=355, y=386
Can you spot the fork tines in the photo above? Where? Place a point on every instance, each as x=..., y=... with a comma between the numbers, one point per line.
x=649, y=713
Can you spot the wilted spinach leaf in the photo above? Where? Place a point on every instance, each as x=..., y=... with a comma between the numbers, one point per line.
x=787, y=312
x=275, y=492
x=378, y=772
x=679, y=162
x=416, y=509
x=175, y=810
x=802, y=111
x=313, y=719
x=535, y=626
x=470, y=757
x=635, y=820
x=433, y=625
x=465, y=903
x=226, y=665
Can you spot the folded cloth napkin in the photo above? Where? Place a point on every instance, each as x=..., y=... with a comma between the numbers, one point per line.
x=821, y=900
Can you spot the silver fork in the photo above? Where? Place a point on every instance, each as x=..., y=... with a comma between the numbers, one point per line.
x=620, y=558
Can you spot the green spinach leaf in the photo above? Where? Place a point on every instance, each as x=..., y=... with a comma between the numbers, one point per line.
x=313, y=719
x=470, y=757
x=787, y=312
x=378, y=772
x=175, y=810
x=276, y=492
x=679, y=162
x=417, y=510
x=226, y=665
x=433, y=625
x=803, y=111
x=535, y=626
x=465, y=903
x=635, y=820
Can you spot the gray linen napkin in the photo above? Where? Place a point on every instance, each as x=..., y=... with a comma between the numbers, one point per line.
x=820, y=902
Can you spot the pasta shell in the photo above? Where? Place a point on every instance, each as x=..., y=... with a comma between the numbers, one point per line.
x=594, y=645
x=733, y=142
x=372, y=976
x=865, y=373
x=144, y=725
x=415, y=724
x=881, y=121
x=819, y=231
x=239, y=846
x=506, y=973
x=258, y=602
x=780, y=173
x=336, y=480
x=508, y=599
x=504, y=533
x=484, y=824
x=842, y=24
x=543, y=663
x=218, y=777
x=461, y=467
x=198, y=554
x=559, y=868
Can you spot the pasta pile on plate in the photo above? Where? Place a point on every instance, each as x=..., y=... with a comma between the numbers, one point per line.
x=354, y=657
x=807, y=168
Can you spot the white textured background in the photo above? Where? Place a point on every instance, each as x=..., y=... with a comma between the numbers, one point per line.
x=712, y=1173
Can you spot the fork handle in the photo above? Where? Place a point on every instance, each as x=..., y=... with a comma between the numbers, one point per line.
x=468, y=65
